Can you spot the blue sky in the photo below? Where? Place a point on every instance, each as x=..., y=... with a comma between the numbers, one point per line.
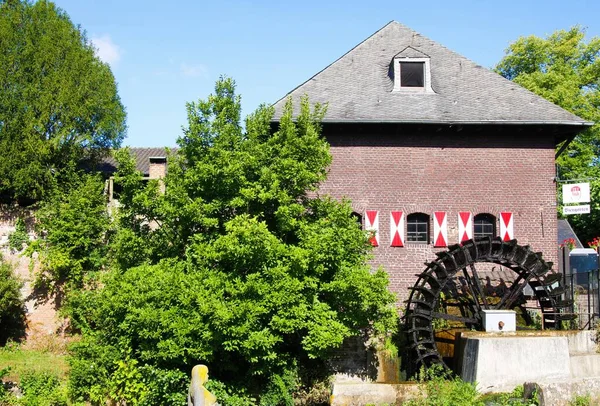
x=164, y=54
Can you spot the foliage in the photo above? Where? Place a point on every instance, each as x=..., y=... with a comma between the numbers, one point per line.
x=586, y=225
x=580, y=400
x=565, y=69
x=514, y=398
x=19, y=237
x=58, y=106
x=280, y=389
x=90, y=370
x=73, y=229
x=42, y=389
x=236, y=265
x=443, y=389
x=3, y=391
x=12, y=306
x=228, y=395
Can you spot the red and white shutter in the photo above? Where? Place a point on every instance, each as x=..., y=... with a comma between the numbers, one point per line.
x=440, y=229
x=372, y=224
x=397, y=229
x=465, y=226
x=506, y=226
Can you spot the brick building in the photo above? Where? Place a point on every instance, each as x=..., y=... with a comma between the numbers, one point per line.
x=150, y=162
x=432, y=149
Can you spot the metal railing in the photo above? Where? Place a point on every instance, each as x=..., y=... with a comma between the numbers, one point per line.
x=582, y=288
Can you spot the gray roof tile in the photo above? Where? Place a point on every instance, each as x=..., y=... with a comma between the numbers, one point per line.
x=142, y=159
x=358, y=87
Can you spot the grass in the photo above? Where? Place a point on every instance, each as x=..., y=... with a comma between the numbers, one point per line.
x=25, y=360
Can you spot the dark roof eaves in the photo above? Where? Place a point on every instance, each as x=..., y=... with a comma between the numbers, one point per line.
x=454, y=122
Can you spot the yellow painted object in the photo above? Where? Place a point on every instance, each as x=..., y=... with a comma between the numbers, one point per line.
x=198, y=395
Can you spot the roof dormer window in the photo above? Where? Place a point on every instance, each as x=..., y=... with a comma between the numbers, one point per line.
x=412, y=71
x=412, y=74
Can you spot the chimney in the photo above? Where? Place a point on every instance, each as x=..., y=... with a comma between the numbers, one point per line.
x=158, y=170
x=158, y=167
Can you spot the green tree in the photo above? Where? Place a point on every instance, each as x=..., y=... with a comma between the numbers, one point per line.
x=564, y=68
x=58, y=102
x=245, y=267
x=73, y=229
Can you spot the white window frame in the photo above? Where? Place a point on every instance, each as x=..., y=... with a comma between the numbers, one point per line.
x=426, y=76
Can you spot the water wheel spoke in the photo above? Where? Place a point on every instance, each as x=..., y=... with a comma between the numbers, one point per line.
x=470, y=289
x=478, y=287
x=516, y=288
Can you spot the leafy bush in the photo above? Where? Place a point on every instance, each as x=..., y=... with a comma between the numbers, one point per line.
x=514, y=398
x=581, y=400
x=241, y=269
x=91, y=369
x=42, y=389
x=73, y=230
x=164, y=386
x=441, y=388
x=12, y=306
x=3, y=392
x=228, y=395
x=19, y=237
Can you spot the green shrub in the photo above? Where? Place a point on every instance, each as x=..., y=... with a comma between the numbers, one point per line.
x=164, y=386
x=3, y=392
x=12, y=306
x=42, y=389
x=280, y=389
x=73, y=228
x=514, y=398
x=234, y=265
x=19, y=237
x=228, y=395
x=91, y=368
x=580, y=400
x=100, y=372
x=440, y=388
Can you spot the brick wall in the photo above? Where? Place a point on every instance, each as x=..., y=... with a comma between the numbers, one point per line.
x=478, y=170
x=42, y=318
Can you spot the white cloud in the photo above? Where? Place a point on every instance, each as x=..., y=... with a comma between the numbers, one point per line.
x=194, y=71
x=107, y=50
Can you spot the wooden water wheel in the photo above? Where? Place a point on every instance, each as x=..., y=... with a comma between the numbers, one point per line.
x=450, y=294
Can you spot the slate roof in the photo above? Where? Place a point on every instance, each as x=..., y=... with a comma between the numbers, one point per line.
x=565, y=232
x=142, y=159
x=358, y=87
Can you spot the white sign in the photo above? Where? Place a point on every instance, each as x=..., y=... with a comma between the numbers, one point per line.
x=583, y=209
x=576, y=193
